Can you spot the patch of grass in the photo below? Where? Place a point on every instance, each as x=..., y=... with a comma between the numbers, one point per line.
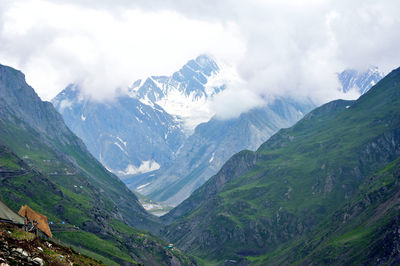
x=96, y=244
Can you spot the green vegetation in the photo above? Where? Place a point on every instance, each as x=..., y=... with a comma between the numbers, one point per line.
x=99, y=246
x=359, y=232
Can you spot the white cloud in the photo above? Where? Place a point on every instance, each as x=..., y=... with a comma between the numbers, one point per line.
x=232, y=102
x=145, y=167
x=284, y=47
x=56, y=44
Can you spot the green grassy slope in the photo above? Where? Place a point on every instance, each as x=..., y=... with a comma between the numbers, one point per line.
x=364, y=231
x=56, y=175
x=118, y=244
x=260, y=201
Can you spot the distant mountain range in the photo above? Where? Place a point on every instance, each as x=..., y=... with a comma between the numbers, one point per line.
x=161, y=137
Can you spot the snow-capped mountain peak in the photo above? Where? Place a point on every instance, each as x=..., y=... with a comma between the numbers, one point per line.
x=185, y=93
x=361, y=82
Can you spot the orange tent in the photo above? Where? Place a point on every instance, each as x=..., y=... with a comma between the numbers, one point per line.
x=43, y=224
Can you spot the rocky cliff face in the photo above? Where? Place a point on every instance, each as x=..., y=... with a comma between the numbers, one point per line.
x=260, y=201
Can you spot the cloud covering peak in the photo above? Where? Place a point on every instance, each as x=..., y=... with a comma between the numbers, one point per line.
x=277, y=48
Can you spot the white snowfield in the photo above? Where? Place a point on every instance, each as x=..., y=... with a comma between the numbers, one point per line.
x=145, y=167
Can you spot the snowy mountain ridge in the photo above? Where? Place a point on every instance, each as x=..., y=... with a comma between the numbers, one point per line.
x=359, y=81
x=186, y=94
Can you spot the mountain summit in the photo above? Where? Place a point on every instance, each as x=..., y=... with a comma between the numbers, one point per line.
x=359, y=81
x=185, y=94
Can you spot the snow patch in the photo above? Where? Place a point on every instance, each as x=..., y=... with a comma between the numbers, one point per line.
x=146, y=101
x=145, y=167
x=108, y=169
x=191, y=109
x=212, y=157
x=120, y=147
x=142, y=186
x=122, y=141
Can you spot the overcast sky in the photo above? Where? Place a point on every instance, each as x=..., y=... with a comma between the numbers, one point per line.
x=277, y=47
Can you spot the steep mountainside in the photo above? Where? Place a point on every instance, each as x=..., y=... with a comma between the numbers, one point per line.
x=214, y=142
x=365, y=231
x=45, y=165
x=125, y=135
x=262, y=200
